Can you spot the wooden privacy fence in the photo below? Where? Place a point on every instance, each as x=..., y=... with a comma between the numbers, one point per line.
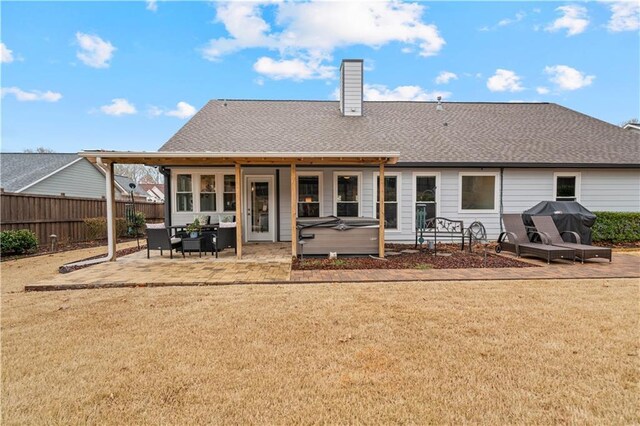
x=64, y=216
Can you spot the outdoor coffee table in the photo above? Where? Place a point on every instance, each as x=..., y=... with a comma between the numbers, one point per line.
x=193, y=244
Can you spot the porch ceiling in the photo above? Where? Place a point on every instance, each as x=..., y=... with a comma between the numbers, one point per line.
x=242, y=158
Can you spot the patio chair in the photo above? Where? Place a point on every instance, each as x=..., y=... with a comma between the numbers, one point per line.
x=516, y=240
x=225, y=238
x=545, y=225
x=158, y=238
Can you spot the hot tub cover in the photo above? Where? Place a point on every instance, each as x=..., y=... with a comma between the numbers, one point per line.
x=334, y=221
x=567, y=215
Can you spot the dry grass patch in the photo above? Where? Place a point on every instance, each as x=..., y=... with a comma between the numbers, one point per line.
x=492, y=353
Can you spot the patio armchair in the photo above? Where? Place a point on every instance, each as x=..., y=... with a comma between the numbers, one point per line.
x=515, y=240
x=225, y=238
x=158, y=238
x=545, y=225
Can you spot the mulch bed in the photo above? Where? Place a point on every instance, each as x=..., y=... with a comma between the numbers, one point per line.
x=65, y=269
x=633, y=245
x=451, y=258
x=44, y=249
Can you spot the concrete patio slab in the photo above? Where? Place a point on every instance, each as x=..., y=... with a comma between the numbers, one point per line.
x=271, y=264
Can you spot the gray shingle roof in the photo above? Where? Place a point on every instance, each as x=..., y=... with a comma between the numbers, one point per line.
x=124, y=182
x=18, y=170
x=481, y=133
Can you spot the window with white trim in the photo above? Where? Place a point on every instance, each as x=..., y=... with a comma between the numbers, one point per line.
x=347, y=201
x=207, y=193
x=391, y=183
x=567, y=186
x=309, y=194
x=229, y=193
x=479, y=192
x=184, y=193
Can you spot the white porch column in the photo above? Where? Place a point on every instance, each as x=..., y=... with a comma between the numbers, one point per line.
x=294, y=211
x=239, y=195
x=111, y=214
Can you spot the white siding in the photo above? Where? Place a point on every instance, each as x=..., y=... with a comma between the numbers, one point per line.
x=80, y=179
x=351, y=88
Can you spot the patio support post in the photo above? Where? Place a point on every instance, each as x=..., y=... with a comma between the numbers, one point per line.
x=382, y=218
x=238, y=212
x=294, y=208
x=111, y=214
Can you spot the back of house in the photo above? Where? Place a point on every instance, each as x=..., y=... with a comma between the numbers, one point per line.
x=470, y=161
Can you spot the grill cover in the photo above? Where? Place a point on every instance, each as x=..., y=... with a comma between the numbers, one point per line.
x=567, y=215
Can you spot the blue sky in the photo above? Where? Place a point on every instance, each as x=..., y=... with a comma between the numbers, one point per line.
x=127, y=75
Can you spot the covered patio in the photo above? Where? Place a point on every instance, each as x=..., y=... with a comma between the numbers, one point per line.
x=240, y=160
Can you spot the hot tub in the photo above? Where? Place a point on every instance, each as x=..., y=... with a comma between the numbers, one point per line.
x=345, y=235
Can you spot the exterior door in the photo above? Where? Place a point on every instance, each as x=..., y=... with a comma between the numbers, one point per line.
x=260, y=211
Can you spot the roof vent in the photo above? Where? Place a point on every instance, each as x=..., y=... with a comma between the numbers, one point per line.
x=439, y=105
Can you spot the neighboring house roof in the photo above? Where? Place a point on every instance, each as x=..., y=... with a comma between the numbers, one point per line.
x=18, y=171
x=463, y=133
x=124, y=182
x=155, y=189
x=632, y=126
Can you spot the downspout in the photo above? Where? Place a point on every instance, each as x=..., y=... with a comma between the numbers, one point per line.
x=501, y=203
x=167, y=194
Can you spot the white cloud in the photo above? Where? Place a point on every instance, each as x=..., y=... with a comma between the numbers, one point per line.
x=379, y=92
x=508, y=21
x=504, y=81
x=574, y=19
x=519, y=16
x=567, y=78
x=95, y=52
x=625, y=16
x=295, y=69
x=34, y=95
x=119, y=106
x=152, y=5
x=183, y=110
x=542, y=90
x=445, y=77
x=6, y=54
x=311, y=31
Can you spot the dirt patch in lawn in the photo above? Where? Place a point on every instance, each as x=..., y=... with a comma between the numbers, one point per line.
x=65, y=269
x=449, y=256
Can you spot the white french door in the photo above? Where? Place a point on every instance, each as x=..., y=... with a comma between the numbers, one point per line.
x=259, y=208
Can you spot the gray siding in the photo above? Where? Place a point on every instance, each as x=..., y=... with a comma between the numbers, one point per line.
x=81, y=179
x=613, y=190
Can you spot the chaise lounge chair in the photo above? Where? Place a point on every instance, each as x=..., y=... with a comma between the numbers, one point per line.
x=545, y=225
x=516, y=240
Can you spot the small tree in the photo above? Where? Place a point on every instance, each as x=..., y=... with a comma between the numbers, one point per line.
x=39, y=150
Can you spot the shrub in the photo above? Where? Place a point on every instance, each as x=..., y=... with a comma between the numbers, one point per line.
x=97, y=227
x=137, y=222
x=617, y=227
x=17, y=241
